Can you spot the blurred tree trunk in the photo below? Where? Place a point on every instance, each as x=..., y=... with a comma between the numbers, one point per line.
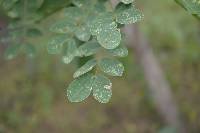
x=158, y=85
x=31, y=69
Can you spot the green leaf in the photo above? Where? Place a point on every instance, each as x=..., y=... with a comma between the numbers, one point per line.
x=88, y=66
x=102, y=89
x=74, y=14
x=55, y=45
x=120, y=51
x=70, y=51
x=109, y=39
x=83, y=33
x=12, y=51
x=104, y=27
x=127, y=14
x=193, y=6
x=63, y=26
x=111, y=66
x=101, y=22
x=80, y=88
x=89, y=48
x=127, y=1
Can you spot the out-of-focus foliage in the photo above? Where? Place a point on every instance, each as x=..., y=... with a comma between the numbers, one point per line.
x=192, y=6
x=25, y=16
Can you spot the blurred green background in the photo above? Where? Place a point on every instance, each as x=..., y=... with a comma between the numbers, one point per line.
x=32, y=92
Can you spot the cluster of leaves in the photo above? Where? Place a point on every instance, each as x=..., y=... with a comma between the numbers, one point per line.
x=91, y=27
x=192, y=6
x=25, y=16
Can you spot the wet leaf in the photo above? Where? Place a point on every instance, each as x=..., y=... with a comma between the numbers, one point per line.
x=102, y=89
x=88, y=66
x=101, y=22
x=127, y=14
x=109, y=39
x=80, y=88
x=111, y=66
